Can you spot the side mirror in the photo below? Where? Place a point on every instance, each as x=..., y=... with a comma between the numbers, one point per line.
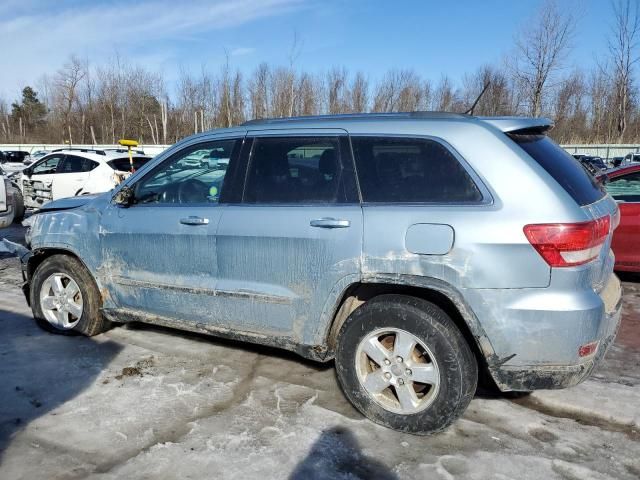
x=124, y=197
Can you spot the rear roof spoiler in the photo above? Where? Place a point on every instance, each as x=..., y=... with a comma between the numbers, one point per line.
x=521, y=125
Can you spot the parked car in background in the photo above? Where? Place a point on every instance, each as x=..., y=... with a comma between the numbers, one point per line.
x=593, y=164
x=631, y=158
x=38, y=154
x=624, y=186
x=195, y=159
x=14, y=160
x=616, y=161
x=6, y=208
x=395, y=244
x=11, y=203
x=71, y=172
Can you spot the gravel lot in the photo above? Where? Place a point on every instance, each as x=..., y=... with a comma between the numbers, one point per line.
x=146, y=402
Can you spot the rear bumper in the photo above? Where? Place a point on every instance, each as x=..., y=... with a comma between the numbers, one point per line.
x=539, y=377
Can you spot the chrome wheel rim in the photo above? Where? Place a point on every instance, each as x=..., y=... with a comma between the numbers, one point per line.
x=61, y=301
x=397, y=370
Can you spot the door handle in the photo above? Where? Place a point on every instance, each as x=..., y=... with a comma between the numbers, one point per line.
x=192, y=220
x=330, y=223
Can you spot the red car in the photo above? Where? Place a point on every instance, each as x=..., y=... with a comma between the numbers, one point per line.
x=624, y=187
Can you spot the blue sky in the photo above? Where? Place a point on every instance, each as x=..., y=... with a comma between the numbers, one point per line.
x=432, y=37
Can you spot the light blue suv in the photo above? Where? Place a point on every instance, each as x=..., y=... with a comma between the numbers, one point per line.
x=419, y=251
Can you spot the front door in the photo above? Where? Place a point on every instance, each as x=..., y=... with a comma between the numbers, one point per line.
x=292, y=243
x=37, y=181
x=159, y=254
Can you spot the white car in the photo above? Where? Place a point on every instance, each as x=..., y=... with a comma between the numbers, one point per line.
x=71, y=172
x=11, y=204
x=6, y=209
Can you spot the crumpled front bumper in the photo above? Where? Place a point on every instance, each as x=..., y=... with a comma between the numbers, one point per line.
x=551, y=377
x=24, y=254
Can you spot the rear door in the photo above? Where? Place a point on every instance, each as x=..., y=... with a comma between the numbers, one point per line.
x=625, y=189
x=72, y=175
x=292, y=240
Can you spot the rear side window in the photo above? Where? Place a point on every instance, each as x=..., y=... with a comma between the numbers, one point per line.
x=123, y=165
x=73, y=164
x=565, y=169
x=411, y=170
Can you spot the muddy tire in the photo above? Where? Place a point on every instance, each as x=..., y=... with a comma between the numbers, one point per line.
x=404, y=364
x=65, y=298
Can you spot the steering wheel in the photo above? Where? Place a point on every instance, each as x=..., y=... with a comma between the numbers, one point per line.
x=192, y=191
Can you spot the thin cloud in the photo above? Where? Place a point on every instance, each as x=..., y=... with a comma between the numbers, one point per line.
x=40, y=38
x=240, y=51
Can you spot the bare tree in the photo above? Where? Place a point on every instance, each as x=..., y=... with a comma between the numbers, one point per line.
x=258, y=91
x=67, y=83
x=623, y=51
x=359, y=94
x=541, y=49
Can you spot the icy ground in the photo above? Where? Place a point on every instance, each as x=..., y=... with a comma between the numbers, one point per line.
x=141, y=402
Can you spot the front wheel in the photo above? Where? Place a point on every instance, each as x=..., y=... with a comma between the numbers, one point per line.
x=404, y=364
x=65, y=298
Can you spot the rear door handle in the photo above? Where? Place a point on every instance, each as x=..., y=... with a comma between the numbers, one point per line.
x=330, y=223
x=194, y=221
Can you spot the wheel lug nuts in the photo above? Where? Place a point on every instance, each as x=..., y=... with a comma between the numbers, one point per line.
x=387, y=376
x=399, y=359
x=408, y=371
x=400, y=381
x=387, y=361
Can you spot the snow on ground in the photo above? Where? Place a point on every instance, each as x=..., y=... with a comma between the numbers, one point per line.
x=142, y=402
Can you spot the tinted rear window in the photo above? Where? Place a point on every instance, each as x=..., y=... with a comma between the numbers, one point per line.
x=123, y=165
x=565, y=169
x=411, y=170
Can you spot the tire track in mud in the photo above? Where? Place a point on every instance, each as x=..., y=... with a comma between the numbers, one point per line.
x=174, y=433
x=590, y=419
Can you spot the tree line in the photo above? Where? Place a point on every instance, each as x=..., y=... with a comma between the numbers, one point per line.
x=83, y=103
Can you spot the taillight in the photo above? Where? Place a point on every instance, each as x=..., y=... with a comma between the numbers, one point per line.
x=569, y=244
x=616, y=219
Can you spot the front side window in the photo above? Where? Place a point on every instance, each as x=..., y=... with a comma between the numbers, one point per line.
x=181, y=180
x=296, y=170
x=48, y=165
x=411, y=170
x=625, y=187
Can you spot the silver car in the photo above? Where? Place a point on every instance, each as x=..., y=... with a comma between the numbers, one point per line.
x=420, y=252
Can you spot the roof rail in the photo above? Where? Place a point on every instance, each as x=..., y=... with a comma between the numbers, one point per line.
x=86, y=150
x=357, y=116
x=123, y=150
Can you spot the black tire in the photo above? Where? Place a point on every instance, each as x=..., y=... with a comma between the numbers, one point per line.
x=91, y=321
x=19, y=215
x=432, y=326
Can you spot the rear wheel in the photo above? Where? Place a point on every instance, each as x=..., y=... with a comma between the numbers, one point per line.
x=65, y=299
x=404, y=364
